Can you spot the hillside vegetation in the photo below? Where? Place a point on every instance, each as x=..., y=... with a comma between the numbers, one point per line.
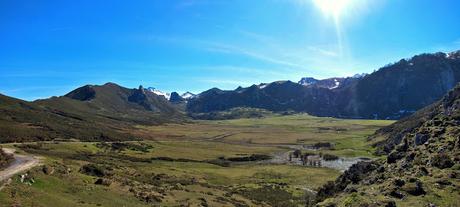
x=5, y=159
x=107, y=112
x=421, y=168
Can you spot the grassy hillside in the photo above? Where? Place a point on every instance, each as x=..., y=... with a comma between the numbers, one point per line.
x=25, y=121
x=106, y=112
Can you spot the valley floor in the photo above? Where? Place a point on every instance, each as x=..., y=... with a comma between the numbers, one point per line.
x=203, y=163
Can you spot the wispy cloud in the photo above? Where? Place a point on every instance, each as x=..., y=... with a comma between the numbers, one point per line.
x=224, y=48
x=295, y=58
x=323, y=51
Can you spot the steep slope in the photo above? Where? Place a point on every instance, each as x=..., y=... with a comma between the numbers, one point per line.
x=421, y=169
x=392, y=92
x=407, y=85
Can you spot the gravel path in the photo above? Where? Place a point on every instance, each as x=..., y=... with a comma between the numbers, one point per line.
x=21, y=163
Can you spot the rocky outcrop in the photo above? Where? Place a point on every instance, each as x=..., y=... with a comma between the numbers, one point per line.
x=423, y=161
x=176, y=98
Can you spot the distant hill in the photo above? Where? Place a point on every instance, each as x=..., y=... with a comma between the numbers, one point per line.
x=106, y=112
x=113, y=102
x=392, y=92
x=421, y=167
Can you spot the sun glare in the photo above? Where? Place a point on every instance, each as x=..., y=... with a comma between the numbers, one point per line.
x=333, y=8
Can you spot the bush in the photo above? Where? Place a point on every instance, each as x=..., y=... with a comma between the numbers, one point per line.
x=95, y=170
x=297, y=153
x=329, y=157
x=442, y=161
x=254, y=157
x=5, y=159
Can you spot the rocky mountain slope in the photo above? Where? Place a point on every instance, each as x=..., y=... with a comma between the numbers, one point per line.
x=392, y=92
x=422, y=166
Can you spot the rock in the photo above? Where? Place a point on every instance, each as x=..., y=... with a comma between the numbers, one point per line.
x=454, y=175
x=394, y=156
x=443, y=182
x=414, y=189
x=48, y=170
x=396, y=194
x=399, y=182
x=381, y=169
x=103, y=181
x=421, y=139
x=423, y=171
x=390, y=204
x=176, y=98
x=350, y=189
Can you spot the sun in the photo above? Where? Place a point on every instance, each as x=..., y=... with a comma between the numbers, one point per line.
x=333, y=8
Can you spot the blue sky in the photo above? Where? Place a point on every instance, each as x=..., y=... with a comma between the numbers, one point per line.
x=51, y=47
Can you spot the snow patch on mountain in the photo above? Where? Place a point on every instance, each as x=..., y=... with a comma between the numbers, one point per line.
x=308, y=81
x=262, y=85
x=188, y=95
x=158, y=92
x=337, y=84
x=359, y=75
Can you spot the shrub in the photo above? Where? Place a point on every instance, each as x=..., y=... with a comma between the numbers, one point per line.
x=442, y=161
x=329, y=157
x=5, y=159
x=95, y=170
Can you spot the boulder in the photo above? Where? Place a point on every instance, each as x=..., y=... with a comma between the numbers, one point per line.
x=48, y=170
x=103, y=181
x=415, y=189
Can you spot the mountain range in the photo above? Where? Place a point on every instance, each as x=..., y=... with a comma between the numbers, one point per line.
x=113, y=112
x=392, y=92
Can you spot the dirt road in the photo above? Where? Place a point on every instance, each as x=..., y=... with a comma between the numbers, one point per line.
x=21, y=163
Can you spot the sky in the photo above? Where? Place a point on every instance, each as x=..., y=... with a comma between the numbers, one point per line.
x=48, y=48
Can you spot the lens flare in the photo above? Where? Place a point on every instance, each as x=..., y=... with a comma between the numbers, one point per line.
x=333, y=8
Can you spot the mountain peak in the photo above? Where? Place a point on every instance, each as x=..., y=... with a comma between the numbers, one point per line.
x=84, y=93
x=188, y=95
x=167, y=96
x=306, y=81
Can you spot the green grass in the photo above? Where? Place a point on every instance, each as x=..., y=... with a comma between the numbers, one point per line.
x=249, y=184
x=349, y=136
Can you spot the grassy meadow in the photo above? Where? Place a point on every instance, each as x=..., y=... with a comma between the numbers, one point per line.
x=176, y=167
